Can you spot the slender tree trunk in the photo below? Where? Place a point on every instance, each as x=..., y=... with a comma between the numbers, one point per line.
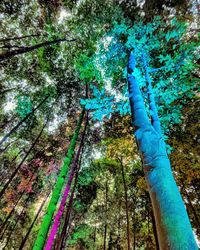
x=148, y=227
x=105, y=226
x=154, y=230
x=44, y=228
x=6, y=91
x=118, y=235
x=32, y=224
x=67, y=216
x=8, y=145
x=16, y=203
x=11, y=53
x=110, y=242
x=95, y=232
x=19, y=166
x=17, y=38
x=191, y=206
x=126, y=204
x=105, y=235
x=5, y=229
x=3, y=176
x=172, y=222
x=73, y=170
x=16, y=222
x=23, y=120
x=6, y=122
x=61, y=239
x=134, y=224
x=4, y=149
x=71, y=218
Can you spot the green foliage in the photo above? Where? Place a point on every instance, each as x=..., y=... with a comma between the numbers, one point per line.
x=79, y=206
x=82, y=232
x=87, y=69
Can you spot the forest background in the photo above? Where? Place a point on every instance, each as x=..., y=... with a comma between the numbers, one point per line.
x=58, y=56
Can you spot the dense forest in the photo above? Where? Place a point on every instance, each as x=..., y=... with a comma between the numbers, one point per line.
x=99, y=124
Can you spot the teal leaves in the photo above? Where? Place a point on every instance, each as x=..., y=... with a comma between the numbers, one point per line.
x=100, y=104
x=24, y=106
x=103, y=104
x=171, y=60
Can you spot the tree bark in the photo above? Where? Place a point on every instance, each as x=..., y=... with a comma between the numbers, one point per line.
x=154, y=230
x=191, y=206
x=16, y=222
x=67, y=216
x=3, y=176
x=6, y=91
x=73, y=170
x=172, y=222
x=44, y=228
x=23, y=120
x=5, y=229
x=105, y=226
x=17, y=38
x=126, y=204
x=19, y=166
x=16, y=203
x=133, y=217
x=11, y=53
x=32, y=224
x=61, y=239
x=4, y=149
x=110, y=242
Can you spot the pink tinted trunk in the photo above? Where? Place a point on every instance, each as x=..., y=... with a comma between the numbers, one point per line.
x=59, y=215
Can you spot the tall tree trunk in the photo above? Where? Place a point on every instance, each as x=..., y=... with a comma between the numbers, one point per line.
x=16, y=203
x=3, y=176
x=6, y=91
x=8, y=145
x=11, y=53
x=17, y=38
x=44, y=228
x=110, y=242
x=133, y=217
x=71, y=218
x=23, y=120
x=61, y=239
x=172, y=222
x=154, y=230
x=148, y=239
x=73, y=170
x=95, y=235
x=4, y=149
x=126, y=204
x=6, y=122
x=105, y=226
x=16, y=222
x=32, y=224
x=191, y=206
x=5, y=229
x=19, y=166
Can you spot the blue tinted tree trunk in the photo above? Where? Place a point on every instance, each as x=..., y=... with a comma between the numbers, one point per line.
x=172, y=222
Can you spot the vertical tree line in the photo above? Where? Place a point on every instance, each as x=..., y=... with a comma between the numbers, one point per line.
x=169, y=210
